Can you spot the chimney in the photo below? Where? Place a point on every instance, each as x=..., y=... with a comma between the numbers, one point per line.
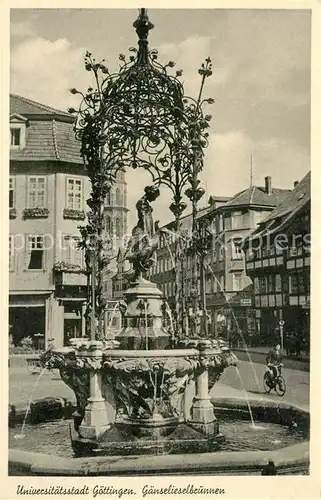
x=295, y=183
x=268, y=185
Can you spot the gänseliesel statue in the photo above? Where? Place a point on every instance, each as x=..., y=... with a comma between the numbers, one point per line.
x=144, y=239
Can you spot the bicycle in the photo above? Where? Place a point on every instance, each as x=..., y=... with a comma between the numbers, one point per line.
x=275, y=382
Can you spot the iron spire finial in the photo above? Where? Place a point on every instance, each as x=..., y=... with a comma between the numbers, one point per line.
x=143, y=25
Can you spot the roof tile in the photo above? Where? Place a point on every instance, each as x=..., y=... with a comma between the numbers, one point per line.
x=25, y=106
x=256, y=195
x=50, y=138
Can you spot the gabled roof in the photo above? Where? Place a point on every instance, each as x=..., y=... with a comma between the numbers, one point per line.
x=27, y=107
x=257, y=196
x=49, y=134
x=297, y=198
x=286, y=210
x=213, y=199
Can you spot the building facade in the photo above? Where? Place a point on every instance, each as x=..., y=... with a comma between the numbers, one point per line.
x=230, y=297
x=162, y=273
x=229, y=291
x=278, y=262
x=48, y=189
x=115, y=219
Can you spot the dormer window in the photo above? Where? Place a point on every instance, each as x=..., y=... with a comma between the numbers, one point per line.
x=15, y=137
x=17, y=131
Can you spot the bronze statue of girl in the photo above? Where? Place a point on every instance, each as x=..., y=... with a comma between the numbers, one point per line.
x=144, y=240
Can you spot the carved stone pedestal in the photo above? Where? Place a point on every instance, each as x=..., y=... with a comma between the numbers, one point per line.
x=202, y=413
x=203, y=418
x=143, y=328
x=95, y=422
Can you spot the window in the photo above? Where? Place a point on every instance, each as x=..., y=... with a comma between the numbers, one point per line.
x=11, y=252
x=278, y=283
x=118, y=227
x=256, y=285
x=250, y=253
x=237, y=220
x=293, y=283
x=307, y=280
x=293, y=252
x=36, y=192
x=263, y=284
x=222, y=283
x=270, y=283
x=71, y=251
x=237, y=282
x=237, y=250
x=15, y=134
x=108, y=226
x=220, y=253
x=35, y=252
x=118, y=197
x=301, y=284
x=108, y=199
x=17, y=131
x=74, y=194
x=12, y=192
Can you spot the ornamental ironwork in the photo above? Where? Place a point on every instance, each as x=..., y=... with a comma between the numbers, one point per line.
x=139, y=117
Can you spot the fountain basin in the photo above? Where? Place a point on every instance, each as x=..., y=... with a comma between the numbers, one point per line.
x=293, y=459
x=145, y=399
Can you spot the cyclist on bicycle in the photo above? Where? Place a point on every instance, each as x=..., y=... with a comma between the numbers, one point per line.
x=274, y=361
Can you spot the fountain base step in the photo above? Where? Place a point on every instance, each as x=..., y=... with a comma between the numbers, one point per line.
x=119, y=441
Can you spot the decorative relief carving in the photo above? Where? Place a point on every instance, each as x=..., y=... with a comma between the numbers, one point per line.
x=144, y=386
x=73, y=372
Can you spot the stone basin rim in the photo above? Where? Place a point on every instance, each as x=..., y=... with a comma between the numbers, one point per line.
x=150, y=353
x=294, y=455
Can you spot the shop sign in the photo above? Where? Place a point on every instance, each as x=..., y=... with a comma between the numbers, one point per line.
x=246, y=302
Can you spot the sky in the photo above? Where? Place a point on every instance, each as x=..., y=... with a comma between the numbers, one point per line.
x=260, y=83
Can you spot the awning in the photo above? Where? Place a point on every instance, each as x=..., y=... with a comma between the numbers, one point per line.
x=27, y=300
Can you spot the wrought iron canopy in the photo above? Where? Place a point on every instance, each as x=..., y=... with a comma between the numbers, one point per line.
x=140, y=117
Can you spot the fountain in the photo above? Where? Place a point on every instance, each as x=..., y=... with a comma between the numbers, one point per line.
x=147, y=390
x=143, y=396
